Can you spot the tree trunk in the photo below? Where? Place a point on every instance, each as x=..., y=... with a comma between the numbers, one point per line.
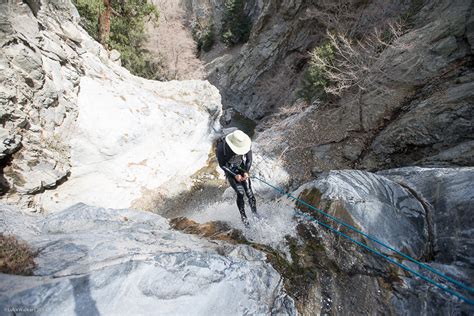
x=104, y=23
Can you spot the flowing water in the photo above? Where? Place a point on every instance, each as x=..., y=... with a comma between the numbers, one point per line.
x=274, y=221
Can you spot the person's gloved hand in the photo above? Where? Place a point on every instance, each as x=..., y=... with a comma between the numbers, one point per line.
x=239, y=178
x=245, y=176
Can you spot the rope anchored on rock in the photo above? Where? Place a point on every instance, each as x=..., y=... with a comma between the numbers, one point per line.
x=375, y=240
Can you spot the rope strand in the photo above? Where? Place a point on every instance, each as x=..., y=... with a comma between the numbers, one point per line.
x=440, y=274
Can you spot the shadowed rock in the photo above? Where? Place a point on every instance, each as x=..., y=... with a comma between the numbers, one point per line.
x=215, y=230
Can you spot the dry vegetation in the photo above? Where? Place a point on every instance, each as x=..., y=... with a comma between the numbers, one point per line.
x=171, y=42
x=16, y=257
x=350, y=57
x=354, y=63
x=338, y=15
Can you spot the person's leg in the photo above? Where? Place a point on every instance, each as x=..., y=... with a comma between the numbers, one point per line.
x=239, y=189
x=248, y=191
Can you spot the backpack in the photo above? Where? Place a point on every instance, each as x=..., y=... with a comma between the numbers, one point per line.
x=220, y=138
x=221, y=135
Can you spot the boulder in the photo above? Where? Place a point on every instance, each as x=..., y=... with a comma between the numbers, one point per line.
x=423, y=212
x=372, y=204
x=114, y=56
x=8, y=143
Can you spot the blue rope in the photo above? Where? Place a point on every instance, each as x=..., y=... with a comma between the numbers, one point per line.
x=444, y=288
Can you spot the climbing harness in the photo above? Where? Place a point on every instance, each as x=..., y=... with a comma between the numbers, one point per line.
x=420, y=264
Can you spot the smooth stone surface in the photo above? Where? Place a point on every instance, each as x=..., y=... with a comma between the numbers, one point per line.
x=103, y=261
x=450, y=195
x=373, y=204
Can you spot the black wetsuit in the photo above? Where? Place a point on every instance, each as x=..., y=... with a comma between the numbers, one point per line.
x=234, y=164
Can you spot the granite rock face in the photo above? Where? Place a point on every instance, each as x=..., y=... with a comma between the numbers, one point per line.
x=72, y=117
x=435, y=129
x=264, y=74
x=74, y=121
x=423, y=212
x=419, y=113
x=374, y=203
x=103, y=261
x=39, y=80
x=449, y=194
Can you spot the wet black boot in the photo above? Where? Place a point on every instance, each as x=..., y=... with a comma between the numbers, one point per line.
x=241, y=206
x=253, y=205
x=245, y=220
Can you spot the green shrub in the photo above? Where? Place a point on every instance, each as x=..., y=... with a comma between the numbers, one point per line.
x=127, y=32
x=89, y=11
x=315, y=79
x=204, y=36
x=236, y=24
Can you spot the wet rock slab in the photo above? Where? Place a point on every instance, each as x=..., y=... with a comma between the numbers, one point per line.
x=102, y=261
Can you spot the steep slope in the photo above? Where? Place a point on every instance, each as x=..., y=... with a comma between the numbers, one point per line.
x=103, y=261
x=73, y=118
x=264, y=74
x=401, y=213
x=419, y=113
x=423, y=212
x=416, y=111
x=76, y=127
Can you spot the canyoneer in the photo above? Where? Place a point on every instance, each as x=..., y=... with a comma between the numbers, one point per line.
x=234, y=155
